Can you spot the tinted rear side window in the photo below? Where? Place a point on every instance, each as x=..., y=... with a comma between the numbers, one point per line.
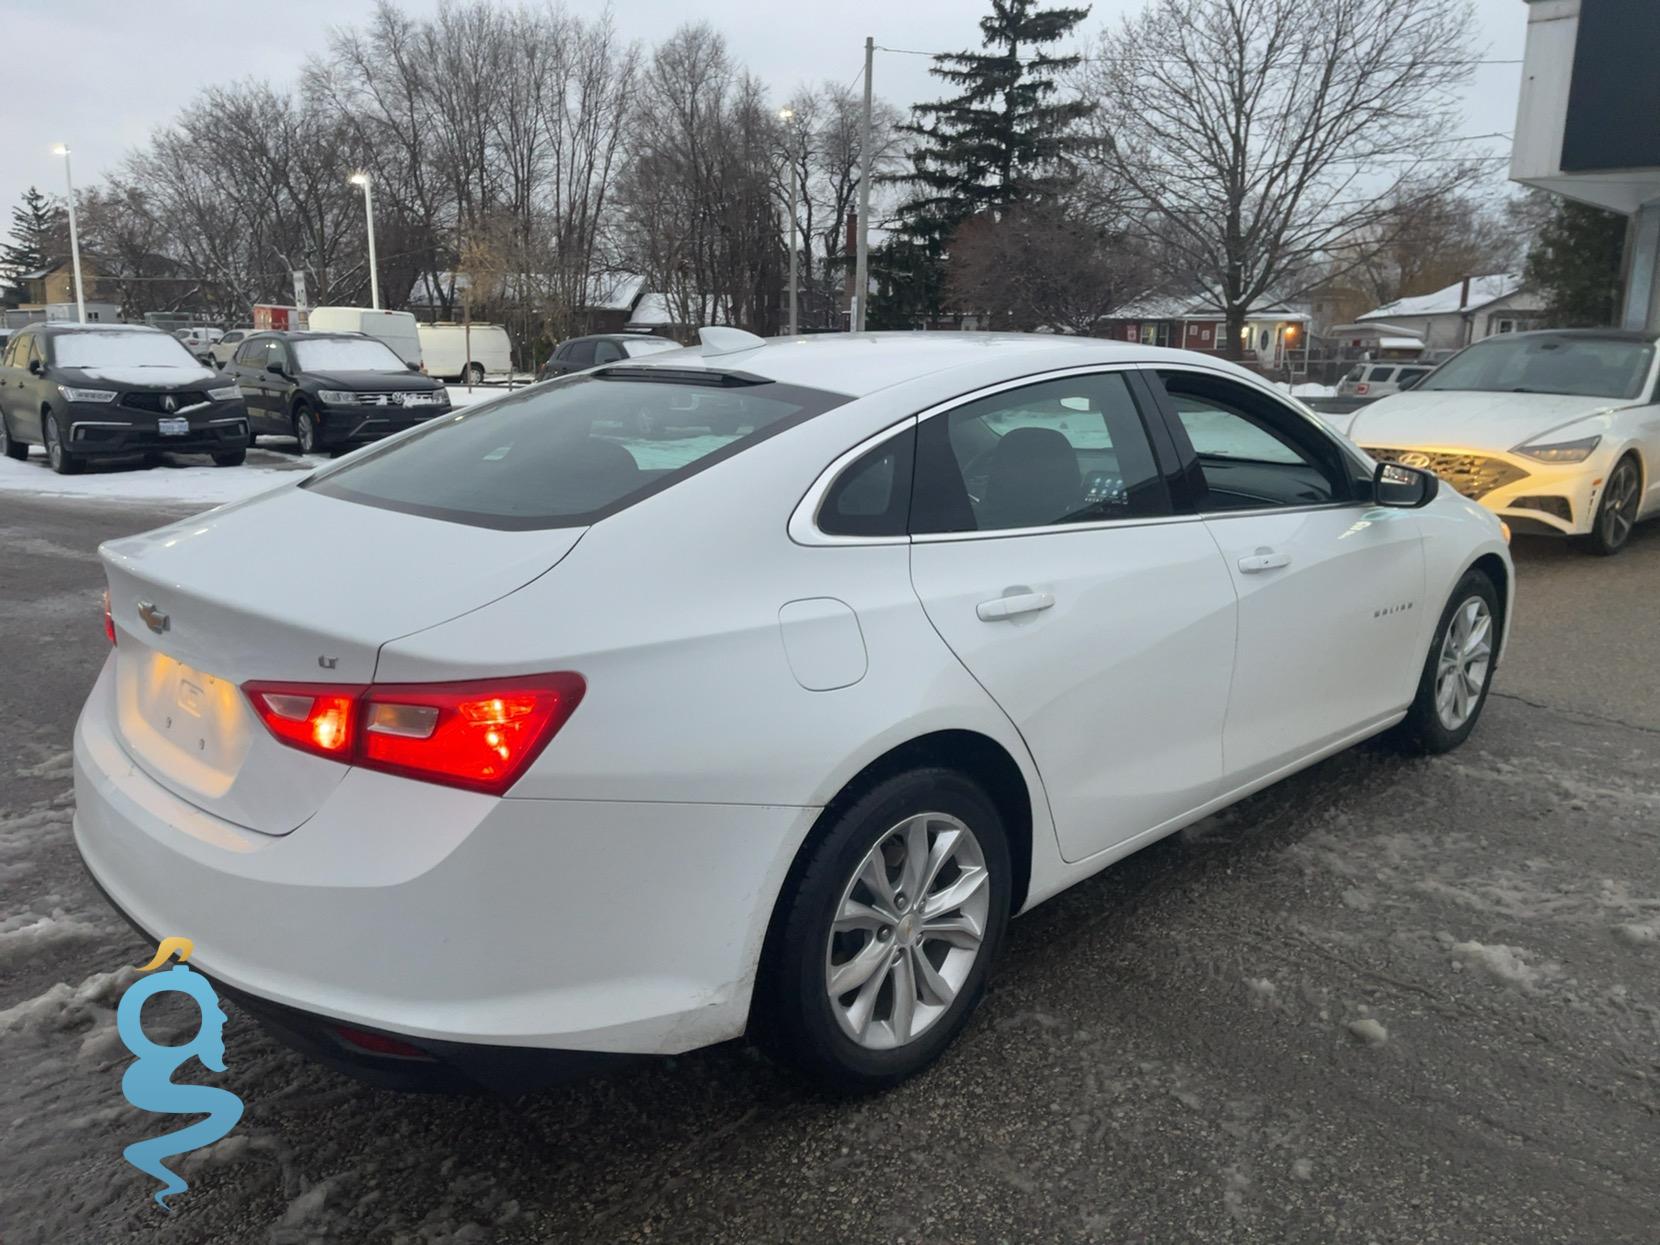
x=873, y=496
x=569, y=453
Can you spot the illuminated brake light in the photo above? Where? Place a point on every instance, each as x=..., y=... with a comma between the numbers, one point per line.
x=478, y=735
x=109, y=619
x=308, y=716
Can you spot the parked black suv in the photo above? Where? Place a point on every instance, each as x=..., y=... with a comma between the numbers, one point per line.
x=86, y=391
x=580, y=353
x=331, y=391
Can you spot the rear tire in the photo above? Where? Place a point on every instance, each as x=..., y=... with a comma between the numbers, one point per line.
x=17, y=451
x=1617, y=513
x=915, y=965
x=1452, y=691
x=61, y=460
x=474, y=374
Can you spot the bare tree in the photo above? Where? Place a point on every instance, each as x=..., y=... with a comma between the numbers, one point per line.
x=1057, y=263
x=1429, y=241
x=1271, y=135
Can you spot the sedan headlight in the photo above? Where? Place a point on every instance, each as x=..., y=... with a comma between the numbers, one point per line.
x=1561, y=451
x=72, y=394
x=230, y=393
x=337, y=397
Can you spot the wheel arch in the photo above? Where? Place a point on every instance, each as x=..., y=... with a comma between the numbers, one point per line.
x=1497, y=570
x=978, y=757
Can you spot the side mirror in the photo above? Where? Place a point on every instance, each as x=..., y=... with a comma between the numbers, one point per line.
x=275, y=369
x=1404, y=488
x=35, y=368
x=218, y=363
x=413, y=367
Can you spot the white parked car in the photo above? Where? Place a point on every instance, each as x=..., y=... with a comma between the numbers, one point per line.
x=1558, y=432
x=1379, y=380
x=531, y=741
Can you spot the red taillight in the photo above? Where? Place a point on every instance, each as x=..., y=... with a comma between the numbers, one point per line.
x=312, y=717
x=479, y=735
x=380, y=1044
x=109, y=619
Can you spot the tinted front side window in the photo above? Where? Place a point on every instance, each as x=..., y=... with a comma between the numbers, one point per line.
x=607, y=352
x=1253, y=454
x=569, y=452
x=1061, y=451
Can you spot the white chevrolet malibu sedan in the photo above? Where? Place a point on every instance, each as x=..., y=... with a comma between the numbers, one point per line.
x=1557, y=432
x=747, y=690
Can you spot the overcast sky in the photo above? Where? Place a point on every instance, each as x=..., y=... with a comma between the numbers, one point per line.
x=100, y=75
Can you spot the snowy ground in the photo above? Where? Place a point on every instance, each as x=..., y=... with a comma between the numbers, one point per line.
x=1390, y=1000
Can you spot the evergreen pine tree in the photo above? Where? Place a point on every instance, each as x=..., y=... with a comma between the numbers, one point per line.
x=1575, y=264
x=37, y=224
x=1001, y=140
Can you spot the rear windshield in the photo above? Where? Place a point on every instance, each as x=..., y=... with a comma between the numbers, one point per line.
x=570, y=452
x=346, y=354
x=1595, y=367
x=102, y=348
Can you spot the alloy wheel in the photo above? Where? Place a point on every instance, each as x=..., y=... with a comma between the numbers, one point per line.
x=908, y=930
x=54, y=444
x=1466, y=658
x=305, y=431
x=1619, y=505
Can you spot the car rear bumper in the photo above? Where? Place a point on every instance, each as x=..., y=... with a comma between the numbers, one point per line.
x=447, y=917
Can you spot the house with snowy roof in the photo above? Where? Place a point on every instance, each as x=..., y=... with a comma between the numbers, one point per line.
x=1452, y=318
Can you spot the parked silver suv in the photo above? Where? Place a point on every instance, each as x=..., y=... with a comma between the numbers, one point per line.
x=1378, y=380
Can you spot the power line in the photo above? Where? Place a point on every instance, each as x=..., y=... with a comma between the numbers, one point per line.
x=1085, y=58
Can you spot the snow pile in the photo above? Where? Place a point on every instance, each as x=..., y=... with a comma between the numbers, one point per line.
x=66, y=1007
x=204, y=484
x=26, y=934
x=1638, y=935
x=1504, y=964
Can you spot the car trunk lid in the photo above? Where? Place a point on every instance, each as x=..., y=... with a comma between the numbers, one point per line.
x=298, y=588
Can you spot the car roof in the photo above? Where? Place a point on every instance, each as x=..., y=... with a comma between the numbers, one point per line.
x=860, y=363
x=60, y=326
x=303, y=335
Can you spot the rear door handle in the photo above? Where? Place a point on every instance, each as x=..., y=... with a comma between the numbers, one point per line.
x=999, y=608
x=1263, y=560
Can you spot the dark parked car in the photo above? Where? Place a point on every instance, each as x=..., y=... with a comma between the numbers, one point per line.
x=86, y=391
x=331, y=391
x=581, y=353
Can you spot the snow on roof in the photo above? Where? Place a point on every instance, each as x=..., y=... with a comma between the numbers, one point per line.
x=652, y=311
x=1197, y=307
x=1450, y=301
x=1400, y=343
x=617, y=291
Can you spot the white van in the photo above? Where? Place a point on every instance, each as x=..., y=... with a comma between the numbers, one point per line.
x=456, y=352
x=395, y=328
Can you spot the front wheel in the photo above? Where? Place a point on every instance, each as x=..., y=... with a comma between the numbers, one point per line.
x=1459, y=670
x=57, y=455
x=1617, y=514
x=305, y=429
x=881, y=948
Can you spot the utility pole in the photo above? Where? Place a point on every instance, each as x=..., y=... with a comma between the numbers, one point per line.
x=362, y=179
x=62, y=149
x=861, y=266
x=787, y=115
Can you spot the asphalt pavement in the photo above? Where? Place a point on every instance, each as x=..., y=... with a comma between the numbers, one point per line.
x=1389, y=1000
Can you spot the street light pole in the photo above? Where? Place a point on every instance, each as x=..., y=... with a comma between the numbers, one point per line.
x=62, y=149
x=861, y=266
x=362, y=179
x=787, y=115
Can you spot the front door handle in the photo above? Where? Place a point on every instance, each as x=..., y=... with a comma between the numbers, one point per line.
x=999, y=608
x=1263, y=560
